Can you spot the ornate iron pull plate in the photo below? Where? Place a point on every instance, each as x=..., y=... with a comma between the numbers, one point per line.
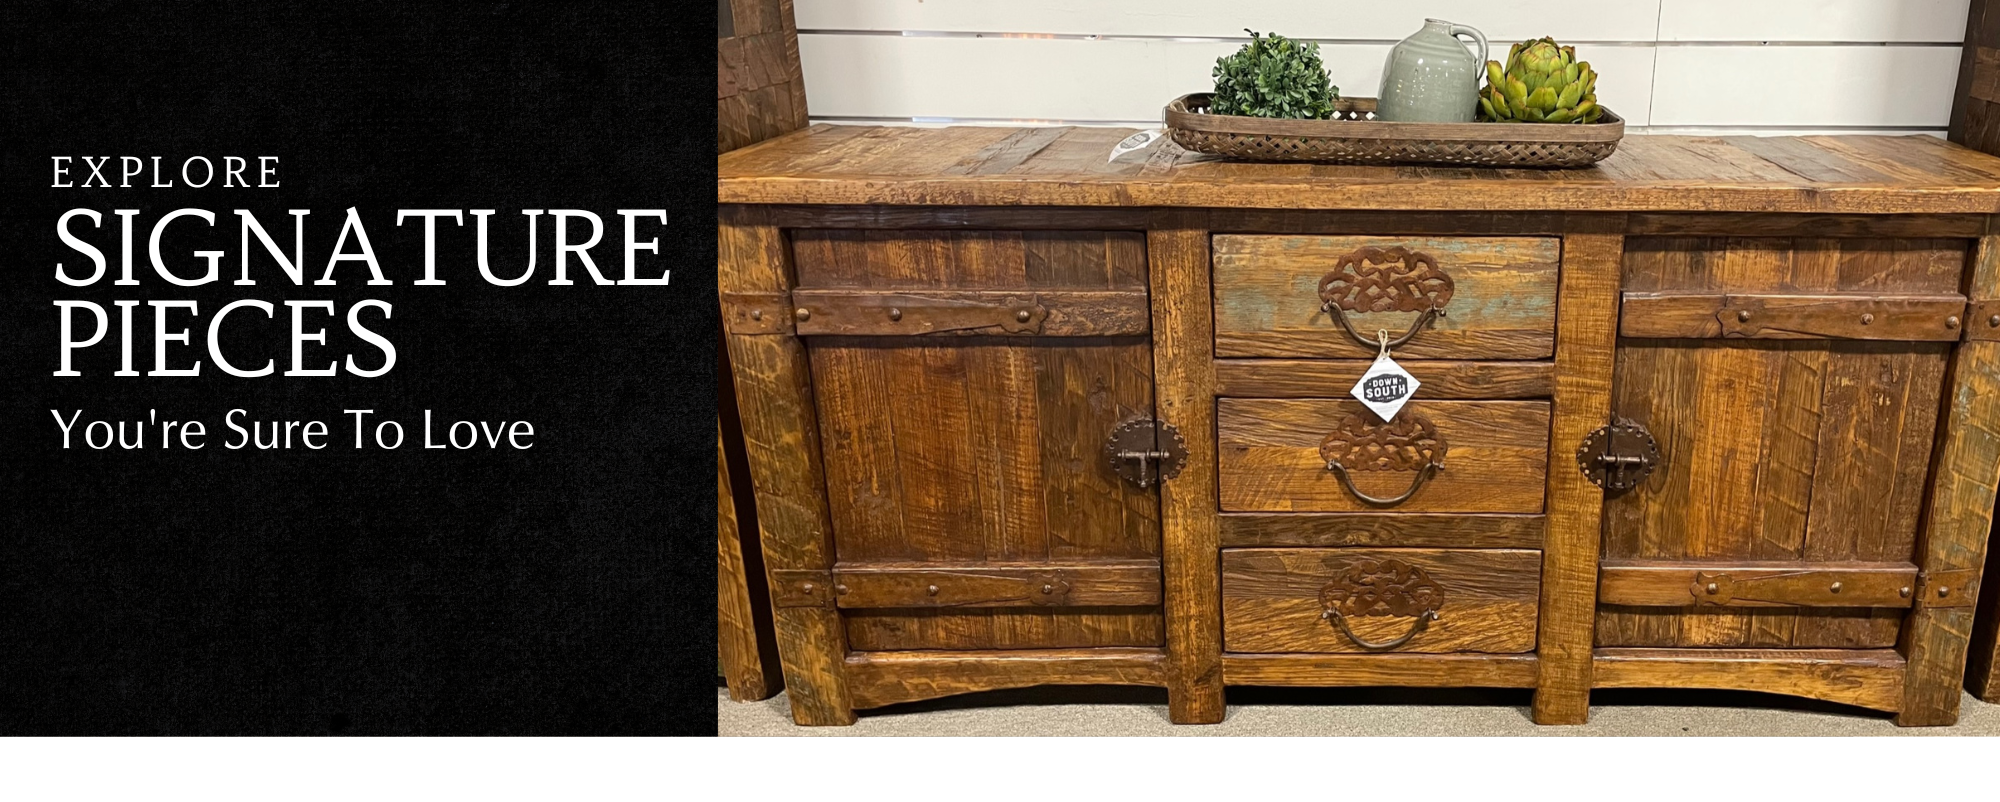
x=1145, y=451
x=1385, y=280
x=1619, y=456
x=1373, y=588
x=1408, y=443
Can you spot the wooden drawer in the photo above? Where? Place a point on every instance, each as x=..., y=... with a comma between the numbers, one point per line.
x=1310, y=600
x=1498, y=295
x=1273, y=455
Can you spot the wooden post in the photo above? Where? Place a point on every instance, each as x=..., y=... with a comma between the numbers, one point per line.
x=747, y=666
x=1184, y=375
x=1951, y=542
x=760, y=91
x=1975, y=123
x=760, y=95
x=1586, y=334
x=781, y=437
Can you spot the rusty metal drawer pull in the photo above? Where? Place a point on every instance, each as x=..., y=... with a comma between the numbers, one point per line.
x=1373, y=588
x=1385, y=280
x=1409, y=443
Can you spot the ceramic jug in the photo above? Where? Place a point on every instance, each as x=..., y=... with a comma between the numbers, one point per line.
x=1430, y=77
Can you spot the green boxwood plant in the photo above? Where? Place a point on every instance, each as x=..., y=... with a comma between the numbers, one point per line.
x=1274, y=77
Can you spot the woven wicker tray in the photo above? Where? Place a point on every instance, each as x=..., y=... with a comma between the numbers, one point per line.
x=1354, y=136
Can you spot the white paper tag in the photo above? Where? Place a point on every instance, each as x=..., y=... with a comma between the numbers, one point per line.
x=1385, y=388
x=1137, y=141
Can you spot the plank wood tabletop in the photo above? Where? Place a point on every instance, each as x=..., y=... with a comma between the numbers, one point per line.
x=1067, y=166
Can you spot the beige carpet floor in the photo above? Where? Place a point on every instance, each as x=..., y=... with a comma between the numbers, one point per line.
x=1375, y=712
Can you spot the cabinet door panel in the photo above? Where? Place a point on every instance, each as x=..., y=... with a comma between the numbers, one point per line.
x=960, y=451
x=1804, y=450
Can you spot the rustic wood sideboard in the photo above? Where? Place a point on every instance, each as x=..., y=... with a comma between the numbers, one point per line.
x=1715, y=413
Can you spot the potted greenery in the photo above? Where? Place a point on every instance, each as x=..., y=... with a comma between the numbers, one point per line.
x=1273, y=101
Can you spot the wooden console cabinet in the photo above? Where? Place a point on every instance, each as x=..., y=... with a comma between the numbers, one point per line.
x=1017, y=415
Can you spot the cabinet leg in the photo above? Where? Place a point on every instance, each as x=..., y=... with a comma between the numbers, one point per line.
x=1587, y=317
x=1553, y=706
x=1184, y=370
x=1933, y=717
x=812, y=648
x=1934, y=643
x=1195, y=701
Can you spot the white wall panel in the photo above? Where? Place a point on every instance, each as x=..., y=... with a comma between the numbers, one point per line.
x=1813, y=21
x=1076, y=79
x=1697, y=130
x=1614, y=21
x=1805, y=86
x=1038, y=60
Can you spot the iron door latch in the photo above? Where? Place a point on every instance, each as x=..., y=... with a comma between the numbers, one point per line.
x=1145, y=451
x=1618, y=456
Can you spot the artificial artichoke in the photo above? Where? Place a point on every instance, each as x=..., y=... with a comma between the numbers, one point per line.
x=1542, y=83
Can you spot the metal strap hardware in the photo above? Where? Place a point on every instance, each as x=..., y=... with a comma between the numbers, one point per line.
x=1947, y=588
x=791, y=587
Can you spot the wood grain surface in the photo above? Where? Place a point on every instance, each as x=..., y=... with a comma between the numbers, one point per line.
x=1958, y=517
x=1183, y=357
x=1271, y=600
x=1860, y=452
x=1270, y=459
x=1442, y=379
x=760, y=89
x=1267, y=301
x=742, y=660
x=1975, y=122
x=1391, y=670
x=1127, y=583
x=1382, y=529
x=1777, y=450
x=1588, y=312
x=1871, y=678
x=1773, y=316
x=887, y=678
x=909, y=313
x=983, y=449
x=1757, y=584
x=781, y=437
x=1819, y=175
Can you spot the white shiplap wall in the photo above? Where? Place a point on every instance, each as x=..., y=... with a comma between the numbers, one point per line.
x=1667, y=66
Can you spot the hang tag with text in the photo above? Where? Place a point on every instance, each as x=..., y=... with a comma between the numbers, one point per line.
x=1138, y=141
x=1385, y=387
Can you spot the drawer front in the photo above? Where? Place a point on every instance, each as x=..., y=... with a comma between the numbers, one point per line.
x=1447, y=456
x=1380, y=600
x=1497, y=295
